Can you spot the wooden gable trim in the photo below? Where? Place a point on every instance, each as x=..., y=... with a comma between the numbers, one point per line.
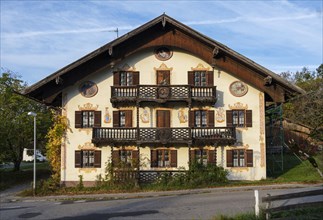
x=152, y=34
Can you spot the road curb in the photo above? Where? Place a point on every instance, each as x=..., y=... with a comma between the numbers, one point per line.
x=150, y=194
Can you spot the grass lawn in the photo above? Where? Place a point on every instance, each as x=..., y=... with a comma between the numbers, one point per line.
x=299, y=171
x=10, y=178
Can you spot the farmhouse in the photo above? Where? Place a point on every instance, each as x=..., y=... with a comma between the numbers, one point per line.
x=158, y=98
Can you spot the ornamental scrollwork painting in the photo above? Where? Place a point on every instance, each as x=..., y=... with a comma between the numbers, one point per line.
x=88, y=107
x=220, y=115
x=238, y=105
x=200, y=67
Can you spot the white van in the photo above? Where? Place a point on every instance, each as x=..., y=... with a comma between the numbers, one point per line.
x=27, y=152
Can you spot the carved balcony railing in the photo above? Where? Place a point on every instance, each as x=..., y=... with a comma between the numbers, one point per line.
x=163, y=93
x=218, y=136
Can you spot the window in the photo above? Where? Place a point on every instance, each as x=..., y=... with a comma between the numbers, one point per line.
x=125, y=78
x=122, y=118
x=163, y=158
x=200, y=78
x=239, y=118
x=87, y=158
x=201, y=118
x=124, y=157
x=203, y=156
x=87, y=119
x=239, y=158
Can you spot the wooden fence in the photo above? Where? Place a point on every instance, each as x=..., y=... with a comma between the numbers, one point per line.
x=271, y=209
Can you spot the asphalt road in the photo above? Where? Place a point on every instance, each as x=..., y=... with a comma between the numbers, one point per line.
x=203, y=204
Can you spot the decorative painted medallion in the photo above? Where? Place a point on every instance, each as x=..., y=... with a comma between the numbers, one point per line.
x=238, y=88
x=163, y=53
x=88, y=89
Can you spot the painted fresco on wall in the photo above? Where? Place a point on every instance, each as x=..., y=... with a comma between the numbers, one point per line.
x=88, y=89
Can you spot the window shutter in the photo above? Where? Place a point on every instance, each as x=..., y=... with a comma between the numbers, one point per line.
x=78, y=119
x=191, y=119
x=210, y=78
x=116, y=119
x=153, y=158
x=167, y=119
x=115, y=158
x=116, y=78
x=229, y=118
x=173, y=158
x=190, y=78
x=128, y=114
x=210, y=119
x=249, y=158
x=97, y=119
x=135, y=158
x=78, y=159
x=97, y=158
x=192, y=156
x=211, y=157
x=229, y=158
x=249, y=118
x=135, y=78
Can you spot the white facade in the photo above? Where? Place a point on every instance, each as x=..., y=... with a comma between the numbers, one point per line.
x=248, y=138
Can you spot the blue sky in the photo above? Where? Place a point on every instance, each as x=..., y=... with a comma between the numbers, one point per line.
x=40, y=37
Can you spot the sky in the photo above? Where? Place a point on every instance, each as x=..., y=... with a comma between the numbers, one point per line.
x=40, y=37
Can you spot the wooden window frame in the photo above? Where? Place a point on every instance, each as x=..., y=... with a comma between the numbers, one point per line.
x=127, y=114
x=209, y=119
x=132, y=161
x=82, y=158
x=134, y=76
x=210, y=156
x=247, y=120
x=208, y=75
x=247, y=158
x=172, y=158
x=79, y=123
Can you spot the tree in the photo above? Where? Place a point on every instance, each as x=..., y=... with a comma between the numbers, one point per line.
x=16, y=127
x=307, y=109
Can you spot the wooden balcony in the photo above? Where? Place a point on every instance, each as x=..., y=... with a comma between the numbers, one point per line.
x=218, y=136
x=163, y=93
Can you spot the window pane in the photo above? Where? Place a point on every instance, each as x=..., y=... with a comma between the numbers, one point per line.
x=91, y=158
x=129, y=79
x=197, y=119
x=204, y=119
x=122, y=119
x=235, y=117
x=91, y=119
x=85, y=121
x=241, y=158
x=235, y=158
x=241, y=118
x=123, y=78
